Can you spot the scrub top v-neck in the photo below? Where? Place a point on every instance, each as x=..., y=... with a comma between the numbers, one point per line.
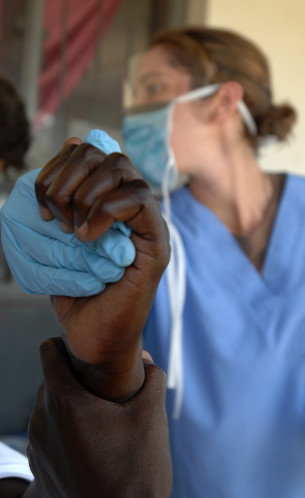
x=241, y=431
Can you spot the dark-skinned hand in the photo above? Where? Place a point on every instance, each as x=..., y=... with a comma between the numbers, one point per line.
x=87, y=191
x=82, y=446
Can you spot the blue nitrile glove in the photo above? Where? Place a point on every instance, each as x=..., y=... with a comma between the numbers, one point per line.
x=46, y=260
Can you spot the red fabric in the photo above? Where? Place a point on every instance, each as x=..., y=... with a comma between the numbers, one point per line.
x=64, y=66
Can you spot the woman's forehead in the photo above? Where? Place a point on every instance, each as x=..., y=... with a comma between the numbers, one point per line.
x=152, y=78
x=156, y=60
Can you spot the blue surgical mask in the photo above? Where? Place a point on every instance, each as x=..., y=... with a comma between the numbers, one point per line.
x=146, y=143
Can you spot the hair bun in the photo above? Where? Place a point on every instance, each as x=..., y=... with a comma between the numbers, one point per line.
x=278, y=120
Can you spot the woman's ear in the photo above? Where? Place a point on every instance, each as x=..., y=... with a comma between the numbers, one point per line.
x=227, y=98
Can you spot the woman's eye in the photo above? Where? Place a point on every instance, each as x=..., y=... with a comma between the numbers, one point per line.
x=154, y=89
x=150, y=92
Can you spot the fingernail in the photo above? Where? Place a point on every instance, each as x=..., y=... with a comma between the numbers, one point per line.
x=66, y=228
x=82, y=230
x=146, y=356
x=45, y=213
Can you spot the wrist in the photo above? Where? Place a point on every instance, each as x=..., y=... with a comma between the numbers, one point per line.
x=116, y=378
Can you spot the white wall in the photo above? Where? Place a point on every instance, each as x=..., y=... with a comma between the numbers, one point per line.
x=278, y=27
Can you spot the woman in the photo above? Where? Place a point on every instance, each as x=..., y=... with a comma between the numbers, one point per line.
x=236, y=349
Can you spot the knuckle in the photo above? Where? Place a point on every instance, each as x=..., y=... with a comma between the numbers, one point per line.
x=66, y=151
x=141, y=194
x=87, y=152
x=86, y=148
x=81, y=203
x=56, y=199
x=143, y=191
x=119, y=160
x=122, y=163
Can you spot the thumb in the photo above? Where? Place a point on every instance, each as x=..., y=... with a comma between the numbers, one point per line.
x=72, y=141
x=59, y=376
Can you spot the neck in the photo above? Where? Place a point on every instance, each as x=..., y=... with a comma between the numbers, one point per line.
x=234, y=188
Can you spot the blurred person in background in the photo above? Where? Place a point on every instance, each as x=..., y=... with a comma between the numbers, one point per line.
x=15, y=130
x=14, y=143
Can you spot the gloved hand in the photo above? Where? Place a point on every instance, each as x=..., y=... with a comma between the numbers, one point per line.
x=86, y=191
x=46, y=260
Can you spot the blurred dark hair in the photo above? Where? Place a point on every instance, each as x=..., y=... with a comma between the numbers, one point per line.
x=216, y=55
x=14, y=125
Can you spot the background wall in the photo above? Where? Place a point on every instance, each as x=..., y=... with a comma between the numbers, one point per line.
x=277, y=26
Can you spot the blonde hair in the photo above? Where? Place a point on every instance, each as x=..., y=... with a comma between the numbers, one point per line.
x=216, y=55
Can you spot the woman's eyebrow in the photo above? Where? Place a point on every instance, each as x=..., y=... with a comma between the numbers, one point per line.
x=147, y=76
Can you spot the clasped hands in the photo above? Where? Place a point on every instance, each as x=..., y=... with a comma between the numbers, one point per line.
x=99, y=425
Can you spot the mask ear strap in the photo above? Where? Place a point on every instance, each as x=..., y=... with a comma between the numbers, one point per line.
x=247, y=118
x=209, y=90
x=170, y=165
x=176, y=280
x=176, y=283
x=197, y=93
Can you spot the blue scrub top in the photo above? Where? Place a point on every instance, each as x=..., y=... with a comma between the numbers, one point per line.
x=241, y=432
